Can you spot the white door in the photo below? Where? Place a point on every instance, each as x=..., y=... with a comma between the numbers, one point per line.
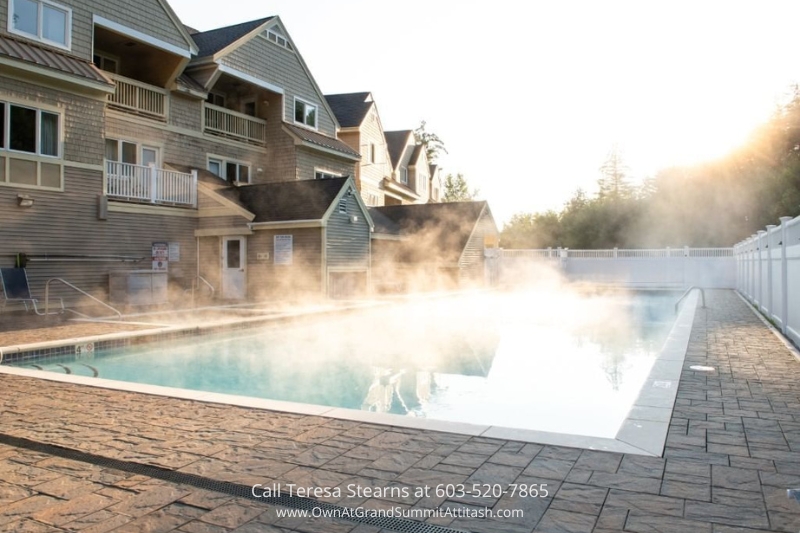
x=149, y=156
x=234, y=259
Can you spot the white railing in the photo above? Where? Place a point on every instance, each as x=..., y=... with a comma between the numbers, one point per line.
x=768, y=274
x=149, y=184
x=138, y=97
x=220, y=121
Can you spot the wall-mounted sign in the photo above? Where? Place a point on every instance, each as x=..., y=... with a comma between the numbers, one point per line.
x=160, y=256
x=283, y=250
x=174, y=252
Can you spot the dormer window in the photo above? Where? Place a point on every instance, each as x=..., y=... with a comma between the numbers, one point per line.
x=279, y=39
x=41, y=20
x=305, y=113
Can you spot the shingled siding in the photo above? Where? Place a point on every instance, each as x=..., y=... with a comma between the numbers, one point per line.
x=185, y=112
x=301, y=279
x=211, y=261
x=373, y=173
x=347, y=242
x=183, y=149
x=82, y=116
x=147, y=17
x=308, y=160
x=472, y=261
x=65, y=223
x=279, y=66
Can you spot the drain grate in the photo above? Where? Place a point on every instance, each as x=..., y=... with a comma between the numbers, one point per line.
x=401, y=525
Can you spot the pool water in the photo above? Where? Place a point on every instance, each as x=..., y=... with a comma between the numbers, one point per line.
x=561, y=362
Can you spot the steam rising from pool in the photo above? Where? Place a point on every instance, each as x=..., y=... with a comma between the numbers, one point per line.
x=544, y=355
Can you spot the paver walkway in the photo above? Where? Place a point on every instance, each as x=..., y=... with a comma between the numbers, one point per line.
x=732, y=451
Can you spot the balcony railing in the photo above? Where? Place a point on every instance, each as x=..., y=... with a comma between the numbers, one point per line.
x=150, y=184
x=227, y=123
x=137, y=97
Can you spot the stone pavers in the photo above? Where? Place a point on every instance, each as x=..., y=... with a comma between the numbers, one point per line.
x=731, y=453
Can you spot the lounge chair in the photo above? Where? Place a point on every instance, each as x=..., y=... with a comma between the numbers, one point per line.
x=17, y=290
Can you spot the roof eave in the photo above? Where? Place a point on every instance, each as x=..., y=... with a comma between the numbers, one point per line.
x=104, y=87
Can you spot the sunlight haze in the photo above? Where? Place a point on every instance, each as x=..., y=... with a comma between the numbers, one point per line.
x=530, y=97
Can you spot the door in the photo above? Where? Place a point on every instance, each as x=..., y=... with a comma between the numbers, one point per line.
x=234, y=259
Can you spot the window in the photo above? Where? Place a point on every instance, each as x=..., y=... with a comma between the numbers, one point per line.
x=324, y=175
x=216, y=99
x=423, y=182
x=230, y=171
x=279, y=39
x=249, y=108
x=30, y=143
x=343, y=205
x=372, y=158
x=305, y=113
x=404, y=175
x=131, y=153
x=105, y=62
x=41, y=20
x=30, y=130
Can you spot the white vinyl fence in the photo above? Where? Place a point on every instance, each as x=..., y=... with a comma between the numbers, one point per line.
x=657, y=268
x=768, y=274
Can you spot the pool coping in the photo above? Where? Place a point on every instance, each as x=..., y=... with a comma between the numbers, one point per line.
x=643, y=432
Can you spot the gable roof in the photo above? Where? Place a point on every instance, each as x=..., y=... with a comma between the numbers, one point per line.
x=396, y=142
x=350, y=108
x=416, y=154
x=283, y=201
x=212, y=41
x=447, y=227
x=35, y=56
x=321, y=140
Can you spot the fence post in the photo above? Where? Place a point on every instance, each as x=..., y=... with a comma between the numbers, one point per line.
x=768, y=300
x=784, y=275
x=193, y=192
x=760, y=278
x=153, y=185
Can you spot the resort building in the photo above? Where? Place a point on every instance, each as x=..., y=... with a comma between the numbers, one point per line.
x=410, y=179
x=129, y=144
x=362, y=130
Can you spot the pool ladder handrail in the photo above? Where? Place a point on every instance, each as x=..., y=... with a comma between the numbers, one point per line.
x=195, y=286
x=71, y=286
x=685, y=294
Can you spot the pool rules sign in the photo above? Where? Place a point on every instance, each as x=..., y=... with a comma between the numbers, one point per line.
x=160, y=257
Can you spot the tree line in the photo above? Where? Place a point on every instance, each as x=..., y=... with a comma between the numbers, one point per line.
x=716, y=203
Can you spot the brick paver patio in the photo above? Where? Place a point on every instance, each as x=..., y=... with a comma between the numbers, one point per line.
x=732, y=451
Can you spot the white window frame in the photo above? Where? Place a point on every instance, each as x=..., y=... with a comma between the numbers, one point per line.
x=223, y=165
x=6, y=147
x=212, y=96
x=373, y=153
x=39, y=36
x=342, y=209
x=140, y=146
x=305, y=103
x=423, y=182
x=279, y=40
x=37, y=157
x=103, y=58
x=404, y=175
x=322, y=174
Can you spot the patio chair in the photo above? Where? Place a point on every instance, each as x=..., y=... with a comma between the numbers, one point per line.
x=17, y=290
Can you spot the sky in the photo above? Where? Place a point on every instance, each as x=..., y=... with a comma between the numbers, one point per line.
x=529, y=97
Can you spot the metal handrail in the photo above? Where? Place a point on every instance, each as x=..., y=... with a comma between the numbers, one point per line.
x=685, y=294
x=207, y=283
x=70, y=285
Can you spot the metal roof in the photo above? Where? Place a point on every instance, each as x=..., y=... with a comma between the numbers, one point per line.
x=48, y=58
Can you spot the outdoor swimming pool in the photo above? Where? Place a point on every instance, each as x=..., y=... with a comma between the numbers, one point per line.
x=556, y=362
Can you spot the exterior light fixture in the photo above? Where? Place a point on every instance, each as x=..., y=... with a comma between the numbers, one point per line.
x=23, y=200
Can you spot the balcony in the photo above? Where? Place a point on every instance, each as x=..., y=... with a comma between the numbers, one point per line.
x=137, y=183
x=139, y=98
x=226, y=123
